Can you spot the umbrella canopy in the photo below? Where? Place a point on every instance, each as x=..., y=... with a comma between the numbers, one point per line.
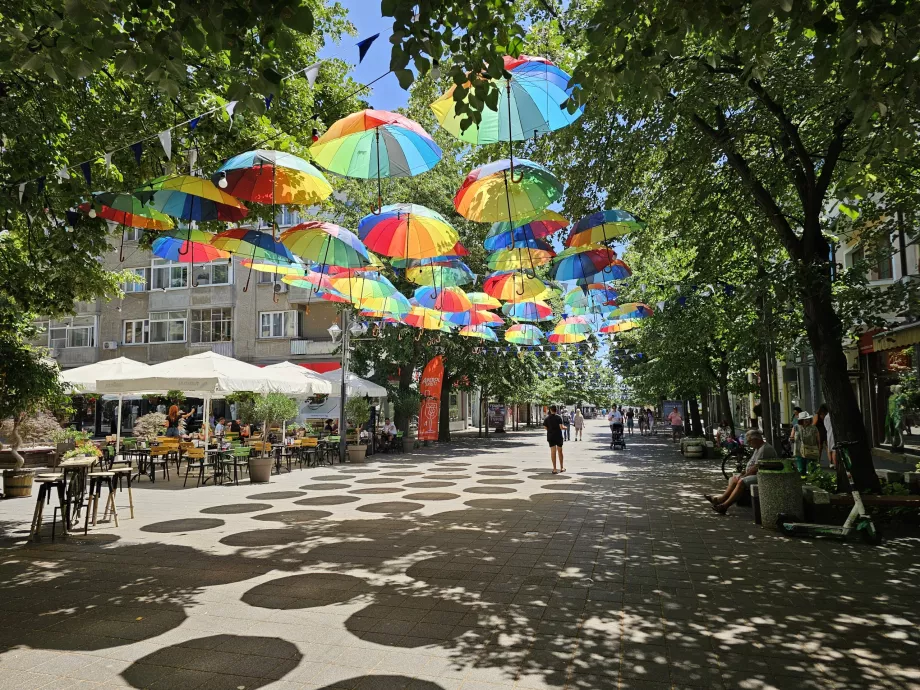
x=481, y=332
x=481, y=300
x=326, y=244
x=582, y=264
x=603, y=226
x=294, y=270
x=429, y=319
x=516, y=240
x=187, y=246
x=620, y=326
x=206, y=374
x=191, y=198
x=631, y=310
x=511, y=259
x=355, y=386
x=529, y=101
x=616, y=270
x=395, y=305
x=408, y=231
x=327, y=294
x=474, y=317
x=273, y=177
x=524, y=334
x=566, y=338
x=446, y=274
x=451, y=299
x=504, y=233
x=492, y=193
x=127, y=210
x=83, y=379
x=573, y=324
x=513, y=286
x=533, y=310
x=376, y=143
x=591, y=295
x=253, y=244
x=307, y=377
x=363, y=286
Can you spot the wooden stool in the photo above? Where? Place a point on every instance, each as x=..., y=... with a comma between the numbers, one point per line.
x=46, y=483
x=96, y=480
x=125, y=474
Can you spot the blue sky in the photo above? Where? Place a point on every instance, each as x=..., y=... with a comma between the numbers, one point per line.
x=365, y=15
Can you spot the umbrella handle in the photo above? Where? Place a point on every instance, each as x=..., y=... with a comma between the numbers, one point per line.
x=510, y=140
x=421, y=332
x=121, y=250
x=379, y=208
x=275, y=298
x=248, y=278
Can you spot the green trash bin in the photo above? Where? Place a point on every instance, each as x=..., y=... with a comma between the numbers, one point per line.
x=779, y=491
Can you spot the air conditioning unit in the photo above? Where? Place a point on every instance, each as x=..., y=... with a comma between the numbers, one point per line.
x=280, y=288
x=110, y=345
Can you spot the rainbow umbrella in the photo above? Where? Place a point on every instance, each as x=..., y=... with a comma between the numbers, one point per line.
x=408, y=231
x=326, y=244
x=574, y=324
x=531, y=310
x=447, y=274
x=591, y=312
x=632, y=311
x=620, y=326
x=492, y=193
x=272, y=177
x=254, y=244
x=325, y=293
x=508, y=244
x=481, y=332
x=449, y=299
x=504, y=233
x=565, y=333
x=481, y=300
x=510, y=286
x=529, y=98
x=474, y=317
x=603, y=226
x=190, y=198
x=376, y=143
x=511, y=259
x=524, y=334
x=187, y=246
x=395, y=305
x=616, y=270
x=590, y=296
x=127, y=210
x=583, y=264
x=295, y=270
x=430, y=319
x=363, y=287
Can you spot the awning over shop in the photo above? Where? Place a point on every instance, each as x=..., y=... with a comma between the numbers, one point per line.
x=902, y=336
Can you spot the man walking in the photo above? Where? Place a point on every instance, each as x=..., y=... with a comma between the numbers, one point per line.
x=567, y=424
x=553, y=426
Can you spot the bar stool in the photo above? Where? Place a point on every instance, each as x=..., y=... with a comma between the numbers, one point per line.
x=96, y=480
x=46, y=483
x=125, y=474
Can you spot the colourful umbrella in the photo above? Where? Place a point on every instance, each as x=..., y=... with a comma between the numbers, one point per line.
x=481, y=300
x=295, y=270
x=395, y=305
x=363, y=287
x=590, y=296
x=529, y=100
x=474, y=317
x=513, y=240
x=620, y=326
x=511, y=259
x=513, y=285
x=272, y=177
x=617, y=270
x=430, y=319
x=482, y=332
x=127, y=210
x=603, y=226
x=524, y=334
x=326, y=244
x=574, y=324
x=447, y=274
x=376, y=143
x=187, y=246
x=190, y=198
x=325, y=293
x=254, y=244
x=408, y=231
x=491, y=193
x=532, y=310
x=583, y=264
x=503, y=234
x=565, y=333
x=450, y=299
x=632, y=310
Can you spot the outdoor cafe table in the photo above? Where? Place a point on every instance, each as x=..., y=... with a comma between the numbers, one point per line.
x=77, y=469
x=218, y=455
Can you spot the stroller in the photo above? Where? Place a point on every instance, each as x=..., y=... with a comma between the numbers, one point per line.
x=616, y=437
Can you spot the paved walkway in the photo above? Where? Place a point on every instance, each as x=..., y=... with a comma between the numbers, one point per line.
x=467, y=567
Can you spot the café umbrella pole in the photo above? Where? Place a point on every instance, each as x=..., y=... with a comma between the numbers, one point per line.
x=343, y=431
x=118, y=429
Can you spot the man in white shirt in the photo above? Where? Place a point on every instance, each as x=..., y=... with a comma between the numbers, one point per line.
x=740, y=483
x=219, y=427
x=389, y=430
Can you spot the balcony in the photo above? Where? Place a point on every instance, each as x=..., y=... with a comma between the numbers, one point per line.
x=305, y=347
x=225, y=349
x=69, y=357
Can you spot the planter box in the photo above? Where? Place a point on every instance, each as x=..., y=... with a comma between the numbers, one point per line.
x=356, y=453
x=260, y=469
x=17, y=483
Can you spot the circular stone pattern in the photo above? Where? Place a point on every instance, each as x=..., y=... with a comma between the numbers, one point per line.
x=363, y=470
x=497, y=473
x=429, y=485
x=447, y=476
x=402, y=474
x=379, y=480
x=325, y=486
x=332, y=477
x=430, y=496
x=499, y=481
x=236, y=508
x=489, y=490
x=264, y=537
x=275, y=495
x=306, y=591
x=183, y=525
x=499, y=467
x=326, y=500
x=293, y=517
x=377, y=490
x=392, y=507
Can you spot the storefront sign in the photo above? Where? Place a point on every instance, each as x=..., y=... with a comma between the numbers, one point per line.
x=497, y=415
x=430, y=389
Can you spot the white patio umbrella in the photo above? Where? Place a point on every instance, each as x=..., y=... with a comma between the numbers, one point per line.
x=83, y=380
x=310, y=379
x=355, y=385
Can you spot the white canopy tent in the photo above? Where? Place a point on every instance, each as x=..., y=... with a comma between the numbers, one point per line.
x=355, y=385
x=321, y=385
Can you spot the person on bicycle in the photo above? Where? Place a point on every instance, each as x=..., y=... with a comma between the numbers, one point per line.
x=677, y=425
x=739, y=483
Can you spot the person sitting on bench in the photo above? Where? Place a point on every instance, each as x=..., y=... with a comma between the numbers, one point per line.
x=740, y=483
x=388, y=433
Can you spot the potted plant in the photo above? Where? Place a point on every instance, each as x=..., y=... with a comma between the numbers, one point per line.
x=357, y=412
x=67, y=439
x=83, y=449
x=406, y=405
x=271, y=407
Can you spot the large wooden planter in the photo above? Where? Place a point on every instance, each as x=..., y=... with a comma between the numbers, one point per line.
x=17, y=483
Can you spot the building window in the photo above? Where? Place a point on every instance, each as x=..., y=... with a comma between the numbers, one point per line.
x=288, y=217
x=277, y=324
x=168, y=326
x=265, y=277
x=133, y=234
x=883, y=270
x=76, y=331
x=143, y=280
x=212, y=325
x=136, y=332
x=165, y=275
x=215, y=273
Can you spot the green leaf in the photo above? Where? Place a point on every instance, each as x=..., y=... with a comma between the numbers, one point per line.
x=272, y=75
x=405, y=77
x=125, y=63
x=301, y=20
x=194, y=37
x=852, y=213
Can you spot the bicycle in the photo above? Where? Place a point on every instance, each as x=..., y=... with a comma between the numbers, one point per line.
x=735, y=459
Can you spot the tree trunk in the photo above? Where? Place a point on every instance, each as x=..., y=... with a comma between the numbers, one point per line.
x=400, y=418
x=484, y=415
x=696, y=428
x=824, y=334
x=725, y=408
x=17, y=442
x=444, y=410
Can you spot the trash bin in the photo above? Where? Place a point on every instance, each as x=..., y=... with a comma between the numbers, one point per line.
x=779, y=491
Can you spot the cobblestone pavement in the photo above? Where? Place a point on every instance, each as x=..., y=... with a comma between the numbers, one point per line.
x=467, y=566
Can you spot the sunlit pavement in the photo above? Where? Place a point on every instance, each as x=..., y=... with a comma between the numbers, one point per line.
x=464, y=566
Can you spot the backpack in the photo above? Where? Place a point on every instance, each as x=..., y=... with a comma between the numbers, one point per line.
x=811, y=441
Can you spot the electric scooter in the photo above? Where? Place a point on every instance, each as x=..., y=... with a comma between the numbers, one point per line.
x=857, y=524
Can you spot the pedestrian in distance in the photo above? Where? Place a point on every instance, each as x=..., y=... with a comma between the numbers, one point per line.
x=677, y=425
x=567, y=424
x=629, y=420
x=643, y=421
x=650, y=421
x=578, y=421
x=553, y=426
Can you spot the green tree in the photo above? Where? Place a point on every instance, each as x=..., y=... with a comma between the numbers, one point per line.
x=274, y=407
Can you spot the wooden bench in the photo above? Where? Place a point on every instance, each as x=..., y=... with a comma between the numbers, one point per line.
x=875, y=500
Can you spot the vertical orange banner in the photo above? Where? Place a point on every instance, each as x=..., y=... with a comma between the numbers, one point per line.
x=430, y=389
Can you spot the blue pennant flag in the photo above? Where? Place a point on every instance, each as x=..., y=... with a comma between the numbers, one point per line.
x=194, y=122
x=41, y=185
x=268, y=100
x=138, y=148
x=364, y=46
x=87, y=174
x=72, y=218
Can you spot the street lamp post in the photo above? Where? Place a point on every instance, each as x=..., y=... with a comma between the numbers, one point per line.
x=345, y=331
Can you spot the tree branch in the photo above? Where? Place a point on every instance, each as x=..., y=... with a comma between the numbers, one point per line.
x=834, y=149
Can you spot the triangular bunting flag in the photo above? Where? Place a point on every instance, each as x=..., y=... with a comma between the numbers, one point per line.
x=364, y=46
x=166, y=141
x=268, y=100
x=63, y=174
x=87, y=173
x=22, y=190
x=108, y=160
x=194, y=122
x=41, y=185
x=72, y=218
x=138, y=149
x=311, y=73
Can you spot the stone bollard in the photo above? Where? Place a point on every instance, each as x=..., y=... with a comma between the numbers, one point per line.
x=779, y=491
x=816, y=501
x=912, y=479
x=890, y=476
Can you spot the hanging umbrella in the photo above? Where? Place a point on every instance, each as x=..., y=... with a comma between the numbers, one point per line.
x=445, y=274
x=326, y=244
x=584, y=264
x=524, y=334
x=408, y=231
x=474, y=317
x=187, y=246
x=491, y=193
x=532, y=310
x=620, y=326
x=513, y=285
x=190, y=198
x=429, y=319
x=481, y=332
x=362, y=287
x=395, y=305
x=529, y=100
x=481, y=300
x=449, y=299
x=254, y=244
x=295, y=270
x=327, y=294
x=272, y=177
x=376, y=143
x=564, y=337
x=603, y=226
x=504, y=233
x=590, y=296
x=511, y=259
x=127, y=210
x=632, y=310
x=574, y=324
x=616, y=270
x=508, y=242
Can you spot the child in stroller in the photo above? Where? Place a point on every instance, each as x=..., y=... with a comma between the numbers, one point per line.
x=616, y=436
